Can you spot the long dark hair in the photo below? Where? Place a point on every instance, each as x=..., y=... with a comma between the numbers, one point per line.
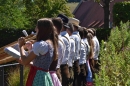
x=46, y=30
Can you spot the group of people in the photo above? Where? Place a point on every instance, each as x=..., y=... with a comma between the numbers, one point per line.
x=63, y=54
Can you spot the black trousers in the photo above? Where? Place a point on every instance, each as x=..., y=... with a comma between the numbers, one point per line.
x=76, y=69
x=65, y=75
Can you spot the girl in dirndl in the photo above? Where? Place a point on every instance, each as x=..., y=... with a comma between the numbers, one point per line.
x=43, y=52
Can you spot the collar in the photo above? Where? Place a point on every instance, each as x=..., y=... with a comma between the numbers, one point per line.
x=75, y=32
x=63, y=32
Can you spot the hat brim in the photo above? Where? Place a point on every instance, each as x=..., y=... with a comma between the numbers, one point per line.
x=76, y=25
x=66, y=26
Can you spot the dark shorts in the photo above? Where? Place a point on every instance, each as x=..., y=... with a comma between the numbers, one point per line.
x=65, y=75
x=76, y=69
x=82, y=75
x=71, y=76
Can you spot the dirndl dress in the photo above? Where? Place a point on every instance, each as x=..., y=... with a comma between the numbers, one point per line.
x=39, y=72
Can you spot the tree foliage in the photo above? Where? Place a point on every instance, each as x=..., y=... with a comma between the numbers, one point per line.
x=25, y=13
x=11, y=14
x=36, y=9
x=121, y=12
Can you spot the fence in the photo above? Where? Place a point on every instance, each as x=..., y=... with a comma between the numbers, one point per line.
x=2, y=74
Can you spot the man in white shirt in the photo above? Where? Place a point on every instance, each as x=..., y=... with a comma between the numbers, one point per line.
x=66, y=39
x=82, y=60
x=72, y=52
x=77, y=40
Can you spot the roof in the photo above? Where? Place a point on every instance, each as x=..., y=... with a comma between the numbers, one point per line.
x=91, y=14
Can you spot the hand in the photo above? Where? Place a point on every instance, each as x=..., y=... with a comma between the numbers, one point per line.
x=29, y=45
x=32, y=41
x=21, y=41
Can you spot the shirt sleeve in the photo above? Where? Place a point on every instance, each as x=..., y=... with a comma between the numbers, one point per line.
x=40, y=48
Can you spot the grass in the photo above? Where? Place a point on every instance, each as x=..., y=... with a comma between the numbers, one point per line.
x=72, y=6
x=14, y=76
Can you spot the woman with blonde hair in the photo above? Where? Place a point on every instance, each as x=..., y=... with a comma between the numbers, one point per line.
x=89, y=62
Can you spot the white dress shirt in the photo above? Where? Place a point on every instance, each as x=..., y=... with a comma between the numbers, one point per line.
x=72, y=52
x=82, y=59
x=96, y=47
x=77, y=39
x=66, y=40
x=61, y=51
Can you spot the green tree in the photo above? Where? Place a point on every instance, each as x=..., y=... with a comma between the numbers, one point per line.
x=11, y=14
x=121, y=12
x=36, y=9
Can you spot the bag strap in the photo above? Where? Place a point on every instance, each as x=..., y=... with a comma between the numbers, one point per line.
x=66, y=38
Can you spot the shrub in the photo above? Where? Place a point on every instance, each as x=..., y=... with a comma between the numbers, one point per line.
x=115, y=61
x=11, y=14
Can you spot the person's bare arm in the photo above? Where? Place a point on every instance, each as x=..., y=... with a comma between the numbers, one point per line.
x=25, y=60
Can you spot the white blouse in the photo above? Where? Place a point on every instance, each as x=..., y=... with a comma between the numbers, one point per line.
x=40, y=48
